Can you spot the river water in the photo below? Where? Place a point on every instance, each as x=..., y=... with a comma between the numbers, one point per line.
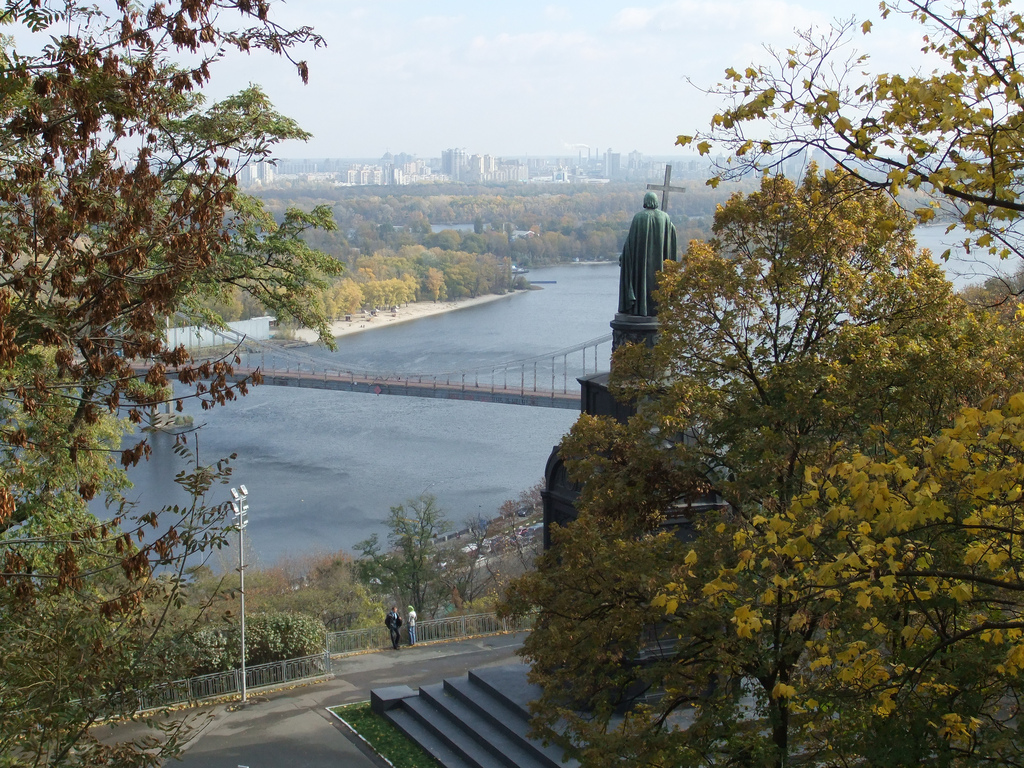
x=323, y=468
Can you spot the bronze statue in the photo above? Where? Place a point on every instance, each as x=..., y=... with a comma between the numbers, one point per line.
x=651, y=240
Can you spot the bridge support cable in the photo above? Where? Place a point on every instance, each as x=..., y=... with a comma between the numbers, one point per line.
x=296, y=364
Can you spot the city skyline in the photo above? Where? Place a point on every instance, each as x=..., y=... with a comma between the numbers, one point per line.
x=456, y=165
x=550, y=79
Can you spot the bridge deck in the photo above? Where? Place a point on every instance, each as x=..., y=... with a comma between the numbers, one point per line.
x=415, y=388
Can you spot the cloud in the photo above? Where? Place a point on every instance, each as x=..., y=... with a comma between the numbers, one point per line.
x=436, y=25
x=534, y=49
x=746, y=18
x=557, y=13
x=499, y=78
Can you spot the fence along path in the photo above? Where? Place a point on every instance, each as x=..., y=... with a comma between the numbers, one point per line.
x=433, y=631
x=352, y=641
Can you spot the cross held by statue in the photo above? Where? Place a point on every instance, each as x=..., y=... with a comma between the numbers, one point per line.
x=664, y=188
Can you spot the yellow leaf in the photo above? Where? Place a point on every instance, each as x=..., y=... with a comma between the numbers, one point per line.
x=961, y=593
x=1017, y=403
x=783, y=691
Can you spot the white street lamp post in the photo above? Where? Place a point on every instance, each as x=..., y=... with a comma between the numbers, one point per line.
x=241, y=508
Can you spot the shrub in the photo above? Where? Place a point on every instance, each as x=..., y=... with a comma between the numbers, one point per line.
x=268, y=637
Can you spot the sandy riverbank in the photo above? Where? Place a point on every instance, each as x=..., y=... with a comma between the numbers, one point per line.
x=404, y=314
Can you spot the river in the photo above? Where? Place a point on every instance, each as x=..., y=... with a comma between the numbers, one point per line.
x=323, y=468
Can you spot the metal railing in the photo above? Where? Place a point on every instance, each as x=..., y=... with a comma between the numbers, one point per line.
x=430, y=631
x=227, y=683
x=544, y=373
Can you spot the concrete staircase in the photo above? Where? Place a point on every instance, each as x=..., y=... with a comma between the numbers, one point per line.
x=477, y=721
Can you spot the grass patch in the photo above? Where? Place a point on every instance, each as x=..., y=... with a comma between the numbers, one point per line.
x=389, y=742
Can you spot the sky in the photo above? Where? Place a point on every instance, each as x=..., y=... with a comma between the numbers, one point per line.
x=528, y=78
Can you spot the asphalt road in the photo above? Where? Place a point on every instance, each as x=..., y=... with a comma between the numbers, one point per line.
x=292, y=727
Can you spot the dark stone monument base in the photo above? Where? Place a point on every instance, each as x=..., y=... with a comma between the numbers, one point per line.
x=630, y=329
x=596, y=400
x=560, y=494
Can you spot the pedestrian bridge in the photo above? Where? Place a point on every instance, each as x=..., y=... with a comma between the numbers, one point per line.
x=544, y=381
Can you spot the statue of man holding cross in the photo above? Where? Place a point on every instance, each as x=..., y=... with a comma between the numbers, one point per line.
x=651, y=240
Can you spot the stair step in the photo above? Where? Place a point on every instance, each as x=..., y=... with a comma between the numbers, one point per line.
x=505, y=718
x=513, y=750
x=508, y=685
x=416, y=732
x=477, y=721
x=451, y=733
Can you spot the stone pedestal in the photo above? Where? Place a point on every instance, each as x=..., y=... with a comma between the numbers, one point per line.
x=630, y=329
x=560, y=494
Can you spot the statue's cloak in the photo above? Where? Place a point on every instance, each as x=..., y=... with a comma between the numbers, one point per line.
x=651, y=240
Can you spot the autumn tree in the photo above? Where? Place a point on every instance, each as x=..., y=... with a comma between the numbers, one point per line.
x=912, y=563
x=808, y=328
x=324, y=586
x=118, y=211
x=950, y=129
x=344, y=298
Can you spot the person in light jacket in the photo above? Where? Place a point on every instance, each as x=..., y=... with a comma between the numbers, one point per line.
x=410, y=617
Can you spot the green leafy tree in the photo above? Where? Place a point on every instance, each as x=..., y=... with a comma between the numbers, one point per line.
x=952, y=132
x=808, y=328
x=410, y=569
x=271, y=263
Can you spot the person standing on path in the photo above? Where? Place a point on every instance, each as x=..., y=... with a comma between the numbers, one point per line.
x=411, y=618
x=393, y=621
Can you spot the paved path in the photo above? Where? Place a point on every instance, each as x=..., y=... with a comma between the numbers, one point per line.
x=292, y=728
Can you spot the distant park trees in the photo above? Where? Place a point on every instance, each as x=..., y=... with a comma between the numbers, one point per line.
x=576, y=222
x=415, y=273
x=384, y=239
